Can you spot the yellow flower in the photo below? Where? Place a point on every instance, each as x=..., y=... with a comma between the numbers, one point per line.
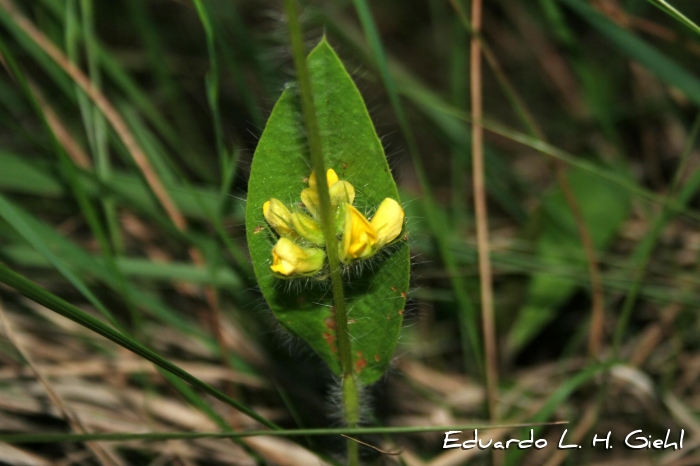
x=362, y=238
x=278, y=216
x=359, y=237
x=307, y=228
x=341, y=192
x=290, y=259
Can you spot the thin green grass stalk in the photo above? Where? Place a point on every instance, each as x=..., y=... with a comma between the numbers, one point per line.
x=195, y=400
x=188, y=393
x=236, y=49
x=175, y=174
x=643, y=252
x=639, y=50
x=350, y=392
x=228, y=164
x=499, y=174
x=157, y=436
x=594, y=83
x=29, y=232
x=120, y=77
x=69, y=170
x=40, y=295
x=95, y=124
x=97, y=136
x=459, y=153
x=88, y=265
x=171, y=90
x=294, y=411
x=467, y=314
x=674, y=13
x=228, y=175
x=212, y=85
x=566, y=157
x=15, y=219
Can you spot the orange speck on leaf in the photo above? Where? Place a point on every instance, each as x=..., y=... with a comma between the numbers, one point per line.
x=258, y=229
x=401, y=312
x=360, y=363
x=330, y=339
x=403, y=294
x=393, y=288
x=376, y=357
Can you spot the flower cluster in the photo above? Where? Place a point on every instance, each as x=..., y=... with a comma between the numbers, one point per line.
x=299, y=252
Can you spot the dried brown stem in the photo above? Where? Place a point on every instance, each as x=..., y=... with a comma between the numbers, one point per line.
x=482, y=228
x=63, y=136
x=597, y=293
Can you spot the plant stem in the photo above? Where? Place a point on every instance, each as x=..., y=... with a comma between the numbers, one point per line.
x=482, y=225
x=350, y=392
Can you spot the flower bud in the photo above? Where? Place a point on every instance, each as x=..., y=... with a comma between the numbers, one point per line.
x=307, y=228
x=290, y=259
x=278, y=216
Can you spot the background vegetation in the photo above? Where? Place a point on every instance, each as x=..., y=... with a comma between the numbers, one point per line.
x=127, y=132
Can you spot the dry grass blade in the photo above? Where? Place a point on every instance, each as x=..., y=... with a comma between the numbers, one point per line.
x=482, y=226
x=63, y=136
x=597, y=293
x=102, y=454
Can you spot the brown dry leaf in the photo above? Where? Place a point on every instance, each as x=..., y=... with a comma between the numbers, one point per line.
x=15, y=456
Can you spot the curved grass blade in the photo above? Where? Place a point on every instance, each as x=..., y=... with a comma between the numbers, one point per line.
x=67, y=310
x=674, y=13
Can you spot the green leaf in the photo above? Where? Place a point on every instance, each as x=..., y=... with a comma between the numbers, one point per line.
x=376, y=295
x=604, y=208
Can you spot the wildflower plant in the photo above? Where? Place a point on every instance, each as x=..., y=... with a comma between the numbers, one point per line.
x=288, y=246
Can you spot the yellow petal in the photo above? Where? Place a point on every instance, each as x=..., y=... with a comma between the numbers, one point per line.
x=310, y=199
x=388, y=221
x=359, y=237
x=331, y=176
x=341, y=193
x=307, y=228
x=278, y=216
x=289, y=259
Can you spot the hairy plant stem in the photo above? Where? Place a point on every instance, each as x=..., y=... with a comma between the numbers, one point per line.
x=349, y=384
